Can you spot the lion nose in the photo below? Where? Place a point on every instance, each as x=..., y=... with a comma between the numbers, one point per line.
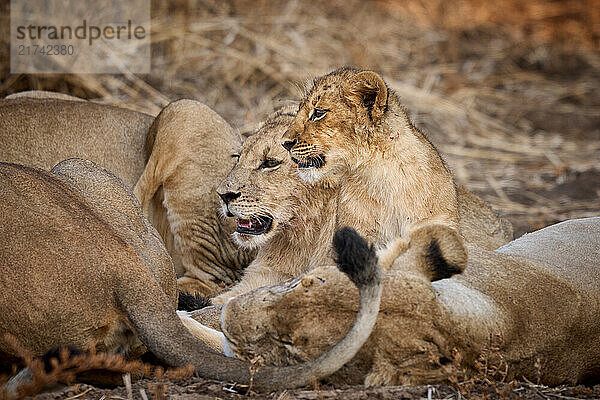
x=229, y=196
x=289, y=144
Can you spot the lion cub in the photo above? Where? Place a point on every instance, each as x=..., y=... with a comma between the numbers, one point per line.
x=291, y=222
x=351, y=128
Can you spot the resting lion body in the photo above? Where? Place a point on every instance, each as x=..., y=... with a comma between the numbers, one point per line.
x=81, y=265
x=531, y=306
x=43, y=131
x=174, y=162
x=352, y=131
x=302, y=216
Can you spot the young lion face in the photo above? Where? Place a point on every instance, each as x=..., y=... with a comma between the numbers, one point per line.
x=261, y=188
x=335, y=122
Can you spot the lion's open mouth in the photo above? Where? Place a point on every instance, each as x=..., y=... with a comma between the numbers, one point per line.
x=254, y=225
x=312, y=162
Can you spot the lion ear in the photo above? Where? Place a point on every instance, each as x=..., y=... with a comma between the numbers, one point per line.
x=368, y=90
x=439, y=251
x=159, y=165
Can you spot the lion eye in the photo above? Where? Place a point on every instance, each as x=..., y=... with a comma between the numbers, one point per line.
x=269, y=163
x=317, y=114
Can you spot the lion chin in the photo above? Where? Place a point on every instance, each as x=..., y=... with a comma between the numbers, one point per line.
x=310, y=174
x=252, y=231
x=252, y=241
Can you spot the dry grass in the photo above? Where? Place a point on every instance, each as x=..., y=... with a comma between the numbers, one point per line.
x=101, y=368
x=489, y=382
x=508, y=91
x=572, y=22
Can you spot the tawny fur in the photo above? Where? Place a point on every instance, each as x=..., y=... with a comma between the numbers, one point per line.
x=66, y=234
x=305, y=214
x=190, y=147
x=536, y=300
x=43, y=94
x=393, y=177
x=177, y=190
x=81, y=265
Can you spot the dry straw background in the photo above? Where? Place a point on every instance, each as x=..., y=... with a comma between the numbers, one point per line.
x=508, y=91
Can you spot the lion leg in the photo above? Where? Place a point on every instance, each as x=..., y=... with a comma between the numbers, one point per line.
x=211, y=337
x=256, y=275
x=388, y=254
x=223, y=297
x=194, y=286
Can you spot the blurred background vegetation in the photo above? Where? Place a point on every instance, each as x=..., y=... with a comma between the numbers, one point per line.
x=508, y=91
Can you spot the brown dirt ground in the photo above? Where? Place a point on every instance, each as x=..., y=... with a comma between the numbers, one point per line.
x=509, y=94
x=194, y=388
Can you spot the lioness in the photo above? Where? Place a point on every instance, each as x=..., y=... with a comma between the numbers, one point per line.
x=531, y=305
x=179, y=159
x=351, y=128
x=81, y=264
x=291, y=222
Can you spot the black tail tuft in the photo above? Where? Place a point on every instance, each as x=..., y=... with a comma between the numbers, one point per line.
x=355, y=257
x=192, y=302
